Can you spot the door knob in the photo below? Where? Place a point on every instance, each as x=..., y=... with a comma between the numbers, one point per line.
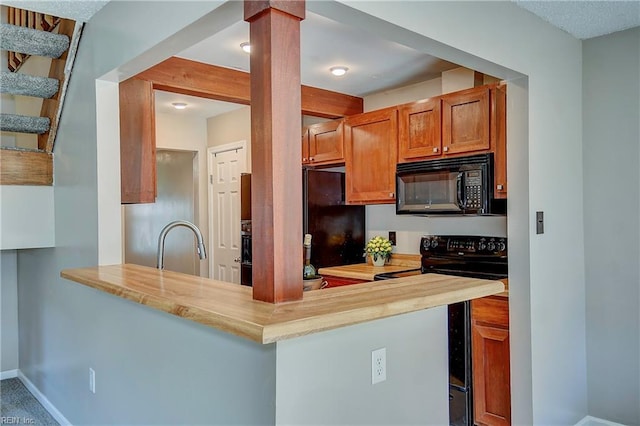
x=237, y=260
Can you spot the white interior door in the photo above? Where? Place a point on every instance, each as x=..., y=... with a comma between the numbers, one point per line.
x=226, y=163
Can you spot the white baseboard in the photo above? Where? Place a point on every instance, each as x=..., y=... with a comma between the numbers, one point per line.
x=43, y=400
x=595, y=421
x=9, y=374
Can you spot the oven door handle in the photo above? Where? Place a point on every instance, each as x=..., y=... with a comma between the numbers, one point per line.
x=459, y=183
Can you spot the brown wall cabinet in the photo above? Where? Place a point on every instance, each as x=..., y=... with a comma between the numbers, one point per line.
x=465, y=121
x=370, y=156
x=323, y=144
x=419, y=130
x=499, y=139
x=490, y=358
x=468, y=122
x=137, y=142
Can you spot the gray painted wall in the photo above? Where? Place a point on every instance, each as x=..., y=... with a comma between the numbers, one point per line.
x=8, y=311
x=151, y=368
x=611, y=93
x=325, y=378
x=545, y=173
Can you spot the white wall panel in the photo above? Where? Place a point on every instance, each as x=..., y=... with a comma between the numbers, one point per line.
x=26, y=217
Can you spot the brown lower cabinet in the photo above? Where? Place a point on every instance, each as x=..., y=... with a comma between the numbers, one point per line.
x=490, y=360
x=333, y=281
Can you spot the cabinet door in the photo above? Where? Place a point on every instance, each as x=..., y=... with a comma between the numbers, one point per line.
x=370, y=156
x=340, y=281
x=465, y=121
x=490, y=359
x=499, y=139
x=326, y=143
x=419, y=130
x=305, y=146
x=137, y=142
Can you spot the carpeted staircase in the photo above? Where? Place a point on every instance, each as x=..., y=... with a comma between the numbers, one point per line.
x=23, y=41
x=31, y=42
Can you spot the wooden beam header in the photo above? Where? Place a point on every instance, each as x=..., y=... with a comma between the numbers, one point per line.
x=178, y=75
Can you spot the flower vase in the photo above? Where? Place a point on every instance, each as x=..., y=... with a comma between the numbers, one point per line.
x=378, y=261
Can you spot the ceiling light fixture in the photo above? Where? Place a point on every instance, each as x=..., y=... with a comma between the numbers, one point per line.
x=246, y=47
x=338, y=71
x=179, y=105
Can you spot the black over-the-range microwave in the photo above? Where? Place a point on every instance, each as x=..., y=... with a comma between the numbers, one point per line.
x=458, y=185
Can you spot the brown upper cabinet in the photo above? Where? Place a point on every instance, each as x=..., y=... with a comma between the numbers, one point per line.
x=465, y=121
x=323, y=144
x=468, y=122
x=419, y=130
x=370, y=141
x=137, y=142
x=499, y=139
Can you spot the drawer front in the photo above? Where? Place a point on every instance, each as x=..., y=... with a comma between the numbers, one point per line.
x=491, y=310
x=339, y=281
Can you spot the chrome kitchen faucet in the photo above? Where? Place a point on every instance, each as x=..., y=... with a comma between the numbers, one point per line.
x=202, y=252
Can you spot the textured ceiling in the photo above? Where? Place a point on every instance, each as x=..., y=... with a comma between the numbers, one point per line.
x=586, y=19
x=583, y=19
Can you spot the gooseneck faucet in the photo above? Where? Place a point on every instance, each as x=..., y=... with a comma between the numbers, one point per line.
x=202, y=253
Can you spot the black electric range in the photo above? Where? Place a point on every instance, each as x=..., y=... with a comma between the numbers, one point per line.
x=465, y=256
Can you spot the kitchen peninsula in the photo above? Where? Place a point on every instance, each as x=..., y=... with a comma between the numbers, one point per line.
x=281, y=359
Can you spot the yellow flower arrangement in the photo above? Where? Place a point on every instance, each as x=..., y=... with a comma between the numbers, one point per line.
x=378, y=247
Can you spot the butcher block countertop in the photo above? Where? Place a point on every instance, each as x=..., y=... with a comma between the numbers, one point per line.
x=361, y=271
x=230, y=307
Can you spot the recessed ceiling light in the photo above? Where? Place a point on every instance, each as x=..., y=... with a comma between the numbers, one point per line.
x=338, y=71
x=179, y=105
x=246, y=47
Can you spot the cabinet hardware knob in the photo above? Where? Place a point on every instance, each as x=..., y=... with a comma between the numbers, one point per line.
x=445, y=149
x=391, y=195
x=500, y=187
x=304, y=158
x=310, y=158
x=435, y=149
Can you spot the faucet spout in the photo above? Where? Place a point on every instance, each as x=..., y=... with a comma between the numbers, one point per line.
x=202, y=252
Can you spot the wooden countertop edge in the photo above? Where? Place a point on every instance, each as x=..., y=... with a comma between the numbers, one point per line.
x=252, y=331
x=385, y=309
x=262, y=322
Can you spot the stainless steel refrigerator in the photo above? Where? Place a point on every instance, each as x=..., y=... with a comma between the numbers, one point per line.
x=337, y=229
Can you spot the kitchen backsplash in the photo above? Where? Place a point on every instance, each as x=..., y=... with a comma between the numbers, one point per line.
x=382, y=218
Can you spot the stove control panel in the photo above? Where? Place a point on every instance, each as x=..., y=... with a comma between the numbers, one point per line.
x=463, y=245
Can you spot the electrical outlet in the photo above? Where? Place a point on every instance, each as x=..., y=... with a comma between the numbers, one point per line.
x=378, y=365
x=92, y=380
x=392, y=237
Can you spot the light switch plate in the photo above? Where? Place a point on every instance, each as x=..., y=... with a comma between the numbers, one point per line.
x=539, y=222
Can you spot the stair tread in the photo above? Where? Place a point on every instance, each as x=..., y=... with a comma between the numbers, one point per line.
x=24, y=123
x=28, y=85
x=32, y=42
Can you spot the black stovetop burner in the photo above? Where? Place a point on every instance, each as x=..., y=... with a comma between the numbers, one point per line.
x=468, y=256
